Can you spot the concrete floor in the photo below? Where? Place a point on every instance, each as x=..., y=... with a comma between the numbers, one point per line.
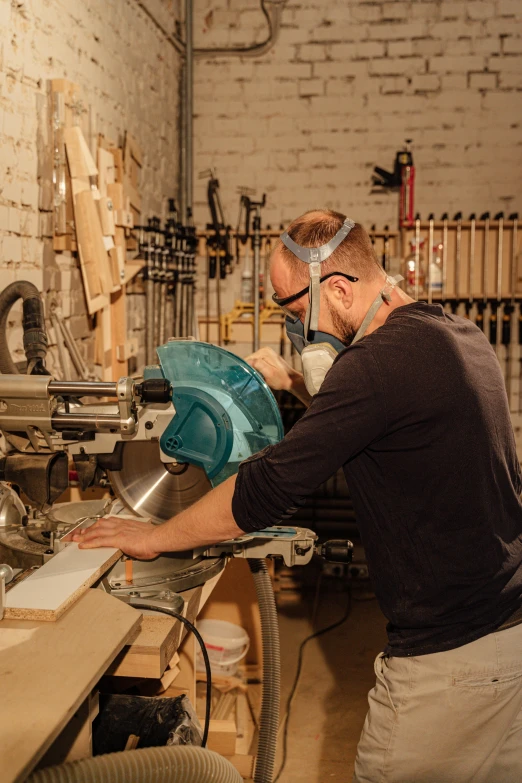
x=330, y=705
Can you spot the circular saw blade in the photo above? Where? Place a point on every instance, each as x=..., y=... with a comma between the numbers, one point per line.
x=155, y=489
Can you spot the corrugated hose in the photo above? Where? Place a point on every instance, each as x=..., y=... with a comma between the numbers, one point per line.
x=269, y=721
x=176, y=764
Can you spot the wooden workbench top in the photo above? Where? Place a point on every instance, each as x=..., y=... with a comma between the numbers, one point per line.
x=48, y=669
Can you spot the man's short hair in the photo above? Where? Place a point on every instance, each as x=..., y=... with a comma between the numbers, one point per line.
x=355, y=255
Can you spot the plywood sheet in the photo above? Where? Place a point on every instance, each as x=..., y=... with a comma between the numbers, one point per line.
x=53, y=588
x=48, y=669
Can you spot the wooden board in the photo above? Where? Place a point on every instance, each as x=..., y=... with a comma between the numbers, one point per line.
x=48, y=669
x=106, y=170
x=132, y=160
x=106, y=216
x=133, y=195
x=81, y=163
x=149, y=653
x=115, y=193
x=150, y=649
x=222, y=737
x=245, y=726
x=119, y=332
x=117, y=154
x=53, y=588
x=94, y=259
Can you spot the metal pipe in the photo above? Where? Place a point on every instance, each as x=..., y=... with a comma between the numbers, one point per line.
x=417, y=257
x=77, y=359
x=255, y=50
x=82, y=389
x=149, y=304
x=444, y=255
x=458, y=244
x=471, y=270
x=189, y=106
x=183, y=146
x=86, y=421
x=429, y=255
x=257, y=272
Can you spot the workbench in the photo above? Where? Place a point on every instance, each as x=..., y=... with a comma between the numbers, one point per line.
x=51, y=672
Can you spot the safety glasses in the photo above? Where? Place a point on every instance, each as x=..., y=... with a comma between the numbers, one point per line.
x=284, y=301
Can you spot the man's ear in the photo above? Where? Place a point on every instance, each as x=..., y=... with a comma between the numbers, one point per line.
x=340, y=290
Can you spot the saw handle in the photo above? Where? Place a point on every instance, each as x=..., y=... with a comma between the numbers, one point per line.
x=336, y=551
x=154, y=390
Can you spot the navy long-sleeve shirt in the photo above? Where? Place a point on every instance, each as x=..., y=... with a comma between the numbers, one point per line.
x=416, y=413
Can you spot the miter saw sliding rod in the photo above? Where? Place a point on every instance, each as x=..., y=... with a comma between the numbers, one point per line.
x=38, y=404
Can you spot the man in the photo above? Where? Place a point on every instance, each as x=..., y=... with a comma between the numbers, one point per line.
x=415, y=411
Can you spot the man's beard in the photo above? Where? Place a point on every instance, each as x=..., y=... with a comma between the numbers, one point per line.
x=344, y=326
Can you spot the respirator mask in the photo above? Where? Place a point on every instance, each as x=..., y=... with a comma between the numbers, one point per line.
x=319, y=349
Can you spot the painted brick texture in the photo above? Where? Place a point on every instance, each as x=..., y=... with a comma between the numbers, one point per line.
x=128, y=74
x=347, y=82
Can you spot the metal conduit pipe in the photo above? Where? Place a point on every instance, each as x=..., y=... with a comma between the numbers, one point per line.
x=176, y=764
x=269, y=720
x=255, y=50
x=189, y=108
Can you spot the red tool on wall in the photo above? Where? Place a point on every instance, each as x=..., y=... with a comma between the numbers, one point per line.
x=402, y=179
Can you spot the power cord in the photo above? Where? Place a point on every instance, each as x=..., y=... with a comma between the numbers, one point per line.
x=286, y=718
x=191, y=627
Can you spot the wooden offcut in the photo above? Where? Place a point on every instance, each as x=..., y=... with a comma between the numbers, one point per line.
x=81, y=162
x=150, y=649
x=106, y=209
x=222, y=737
x=94, y=259
x=106, y=170
x=59, y=583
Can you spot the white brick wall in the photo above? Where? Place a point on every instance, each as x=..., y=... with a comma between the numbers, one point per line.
x=128, y=75
x=347, y=82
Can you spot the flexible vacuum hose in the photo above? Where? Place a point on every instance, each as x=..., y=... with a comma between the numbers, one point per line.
x=269, y=721
x=176, y=764
x=35, y=336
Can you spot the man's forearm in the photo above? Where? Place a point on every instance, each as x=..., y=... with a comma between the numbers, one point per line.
x=208, y=521
x=298, y=388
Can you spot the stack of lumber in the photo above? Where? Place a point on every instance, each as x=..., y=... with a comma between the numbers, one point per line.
x=97, y=203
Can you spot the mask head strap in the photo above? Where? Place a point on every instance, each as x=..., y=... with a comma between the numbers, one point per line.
x=384, y=295
x=314, y=256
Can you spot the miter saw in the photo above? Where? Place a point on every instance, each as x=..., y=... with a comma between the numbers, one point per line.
x=157, y=446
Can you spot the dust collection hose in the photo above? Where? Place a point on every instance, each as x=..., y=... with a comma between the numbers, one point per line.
x=269, y=721
x=35, y=335
x=176, y=764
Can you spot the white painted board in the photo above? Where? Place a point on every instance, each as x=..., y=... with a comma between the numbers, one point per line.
x=51, y=589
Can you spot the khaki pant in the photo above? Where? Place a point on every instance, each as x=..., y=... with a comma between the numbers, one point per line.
x=450, y=717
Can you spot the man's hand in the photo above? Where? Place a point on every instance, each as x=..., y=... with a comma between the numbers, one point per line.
x=278, y=374
x=134, y=538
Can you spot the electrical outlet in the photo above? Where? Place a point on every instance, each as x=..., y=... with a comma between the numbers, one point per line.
x=359, y=571
x=335, y=569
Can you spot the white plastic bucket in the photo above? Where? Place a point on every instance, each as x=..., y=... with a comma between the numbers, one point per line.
x=226, y=644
